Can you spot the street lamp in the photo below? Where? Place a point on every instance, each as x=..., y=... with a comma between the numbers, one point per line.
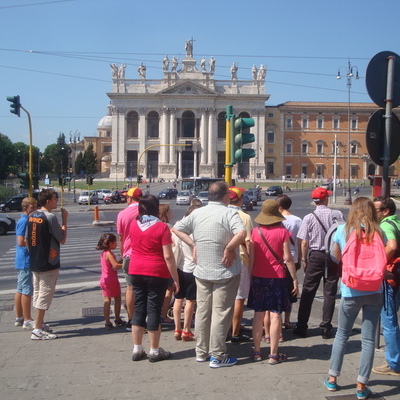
x=74, y=138
x=350, y=69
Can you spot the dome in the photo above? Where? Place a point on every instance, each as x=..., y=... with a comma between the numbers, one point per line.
x=105, y=122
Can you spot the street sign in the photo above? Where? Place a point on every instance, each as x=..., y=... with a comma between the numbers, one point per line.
x=376, y=78
x=376, y=136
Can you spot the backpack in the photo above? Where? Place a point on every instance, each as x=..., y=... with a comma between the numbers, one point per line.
x=328, y=242
x=392, y=273
x=363, y=263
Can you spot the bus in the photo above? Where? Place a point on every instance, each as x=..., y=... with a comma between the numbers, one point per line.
x=197, y=184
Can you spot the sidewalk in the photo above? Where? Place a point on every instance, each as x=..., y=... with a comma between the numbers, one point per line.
x=86, y=361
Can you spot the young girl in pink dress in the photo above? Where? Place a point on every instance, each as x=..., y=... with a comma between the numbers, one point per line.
x=109, y=283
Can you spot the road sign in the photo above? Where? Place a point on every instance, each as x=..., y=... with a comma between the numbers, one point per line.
x=376, y=136
x=376, y=78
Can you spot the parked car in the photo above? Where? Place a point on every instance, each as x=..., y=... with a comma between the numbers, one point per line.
x=6, y=224
x=253, y=196
x=101, y=193
x=274, y=191
x=117, y=196
x=84, y=197
x=184, y=197
x=247, y=204
x=12, y=204
x=203, y=197
x=169, y=193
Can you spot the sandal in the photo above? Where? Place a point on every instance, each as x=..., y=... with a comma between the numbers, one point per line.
x=265, y=339
x=187, y=336
x=120, y=322
x=281, y=339
x=288, y=325
x=256, y=355
x=109, y=325
x=277, y=358
x=178, y=335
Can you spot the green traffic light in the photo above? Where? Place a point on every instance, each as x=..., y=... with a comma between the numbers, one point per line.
x=241, y=136
x=15, y=106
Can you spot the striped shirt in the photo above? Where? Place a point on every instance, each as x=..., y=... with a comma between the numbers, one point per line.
x=312, y=231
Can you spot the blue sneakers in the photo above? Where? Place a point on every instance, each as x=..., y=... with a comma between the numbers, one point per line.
x=226, y=362
x=331, y=386
x=363, y=394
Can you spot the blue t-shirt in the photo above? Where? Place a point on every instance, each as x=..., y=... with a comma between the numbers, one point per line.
x=22, y=253
x=340, y=238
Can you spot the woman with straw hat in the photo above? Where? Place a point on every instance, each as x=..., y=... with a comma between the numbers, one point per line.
x=270, y=261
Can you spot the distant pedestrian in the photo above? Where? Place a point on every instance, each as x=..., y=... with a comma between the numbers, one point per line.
x=109, y=282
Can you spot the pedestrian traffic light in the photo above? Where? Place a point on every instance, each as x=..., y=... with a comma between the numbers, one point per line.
x=139, y=178
x=15, y=105
x=239, y=137
x=24, y=180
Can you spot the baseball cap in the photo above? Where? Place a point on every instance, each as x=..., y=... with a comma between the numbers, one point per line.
x=135, y=192
x=235, y=193
x=320, y=193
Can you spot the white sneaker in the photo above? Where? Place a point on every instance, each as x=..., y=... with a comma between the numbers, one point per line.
x=19, y=321
x=30, y=324
x=42, y=335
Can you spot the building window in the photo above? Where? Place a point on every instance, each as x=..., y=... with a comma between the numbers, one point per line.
x=270, y=167
x=221, y=122
x=288, y=170
x=153, y=124
x=188, y=125
x=270, y=137
x=270, y=150
x=320, y=171
x=337, y=147
x=270, y=115
x=336, y=123
x=107, y=148
x=354, y=124
x=353, y=147
x=353, y=171
x=132, y=125
x=108, y=133
x=289, y=147
x=289, y=122
x=320, y=147
x=320, y=123
x=304, y=171
x=304, y=122
x=304, y=148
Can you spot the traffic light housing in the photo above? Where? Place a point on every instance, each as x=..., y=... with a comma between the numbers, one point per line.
x=89, y=180
x=240, y=137
x=36, y=179
x=24, y=180
x=139, y=178
x=60, y=181
x=15, y=106
x=371, y=180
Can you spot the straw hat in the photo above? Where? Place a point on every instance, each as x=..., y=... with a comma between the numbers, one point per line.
x=269, y=214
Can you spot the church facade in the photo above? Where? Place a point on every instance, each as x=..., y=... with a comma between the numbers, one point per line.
x=174, y=127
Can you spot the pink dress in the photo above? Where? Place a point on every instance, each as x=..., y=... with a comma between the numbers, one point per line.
x=109, y=278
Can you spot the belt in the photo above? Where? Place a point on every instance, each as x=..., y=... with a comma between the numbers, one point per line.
x=318, y=251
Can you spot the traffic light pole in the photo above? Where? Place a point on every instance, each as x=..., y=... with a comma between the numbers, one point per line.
x=30, y=161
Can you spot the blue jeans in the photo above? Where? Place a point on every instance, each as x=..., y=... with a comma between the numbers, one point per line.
x=349, y=309
x=390, y=325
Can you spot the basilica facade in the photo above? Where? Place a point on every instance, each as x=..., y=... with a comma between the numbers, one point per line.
x=174, y=127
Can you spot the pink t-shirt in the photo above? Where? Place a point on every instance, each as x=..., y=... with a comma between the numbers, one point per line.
x=147, y=257
x=265, y=264
x=124, y=220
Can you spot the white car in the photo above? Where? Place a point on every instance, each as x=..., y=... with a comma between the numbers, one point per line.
x=101, y=193
x=84, y=197
x=203, y=197
x=184, y=197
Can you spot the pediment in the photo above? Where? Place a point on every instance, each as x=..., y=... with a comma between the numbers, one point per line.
x=188, y=88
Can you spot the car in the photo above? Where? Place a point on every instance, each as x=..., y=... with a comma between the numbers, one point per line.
x=84, y=197
x=247, y=205
x=184, y=197
x=274, y=191
x=12, y=204
x=253, y=196
x=117, y=196
x=6, y=224
x=203, y=197
x=101, y=193
x=168, y=193
x=257, y=191
x=396, y=183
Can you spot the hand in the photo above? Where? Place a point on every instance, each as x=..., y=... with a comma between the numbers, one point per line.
x=295, y=290
x=304, y=264
x=176, y=287
x=229, y=256
x=64, y=215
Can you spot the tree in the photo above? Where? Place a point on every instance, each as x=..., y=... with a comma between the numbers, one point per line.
x=56, y=157
x=90, y=160
x=7, y=157
x=79, y=165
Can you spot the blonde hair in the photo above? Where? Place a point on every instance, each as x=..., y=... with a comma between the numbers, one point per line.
x=28, y=201
x=163, y=212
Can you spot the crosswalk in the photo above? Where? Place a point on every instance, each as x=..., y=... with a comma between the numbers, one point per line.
x=80, y=261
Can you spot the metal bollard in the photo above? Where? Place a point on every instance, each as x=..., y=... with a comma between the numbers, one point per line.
x=96, y=213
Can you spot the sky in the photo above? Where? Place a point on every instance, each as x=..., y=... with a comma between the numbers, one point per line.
x=56, y=54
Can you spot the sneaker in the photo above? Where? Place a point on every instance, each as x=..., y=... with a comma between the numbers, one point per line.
x=139, y=356
x=46, y=328
x=19, y=321
x=30, y=324
x=160, y=356
x=242, y=338
x=385, y=370
x=129, y=326
x=363, y=394
x=202, y=358
x=331, y=386
x=226, y=362
x=326, y=333
x=42, y=335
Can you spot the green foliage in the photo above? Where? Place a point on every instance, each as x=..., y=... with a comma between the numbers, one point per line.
x=90, y=160
x=56, y=157
x=7, y=156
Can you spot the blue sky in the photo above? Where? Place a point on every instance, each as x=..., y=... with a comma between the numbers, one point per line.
x=55, y=54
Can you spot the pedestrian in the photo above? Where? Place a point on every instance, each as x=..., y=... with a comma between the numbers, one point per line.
x=124, y=220
x=217, y=233
x=315, y=263
x=24, y=292
x=109, y=282
x=44, y=236
x=390, y=224
x=364, y=222
x=269, y=289
x=151, y=265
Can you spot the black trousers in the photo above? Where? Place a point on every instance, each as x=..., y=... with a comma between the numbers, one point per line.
x=314, y=272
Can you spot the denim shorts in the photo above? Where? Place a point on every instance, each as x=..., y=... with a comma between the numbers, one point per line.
x=25, y=282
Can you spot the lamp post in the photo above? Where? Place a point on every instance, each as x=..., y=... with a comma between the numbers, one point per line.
x=350, y=69
x=74, y=138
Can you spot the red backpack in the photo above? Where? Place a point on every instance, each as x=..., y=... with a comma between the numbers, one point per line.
x=363, y=263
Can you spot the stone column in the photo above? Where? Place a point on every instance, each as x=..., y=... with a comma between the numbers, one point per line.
x=260, y=142
x=179, y=155
x=212, y=142
x=203, y=137
x=164, y=150
x=195, y=161
x=172, y=137
x=142, y=140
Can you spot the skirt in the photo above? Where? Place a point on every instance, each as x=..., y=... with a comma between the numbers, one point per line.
x=269, y=294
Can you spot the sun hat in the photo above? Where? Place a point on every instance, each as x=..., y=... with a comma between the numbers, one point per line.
x=320, y=193
x=235, y=193
x=269, y=214
x=135, y=192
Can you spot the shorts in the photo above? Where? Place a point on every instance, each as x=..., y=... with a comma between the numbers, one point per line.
x=44, y=286
x=187, y=286
x=244, y=285
x=25, y=282
x=127, y=279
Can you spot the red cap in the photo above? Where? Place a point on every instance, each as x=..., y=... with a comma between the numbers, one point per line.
x=320, y=193
x=235, y=193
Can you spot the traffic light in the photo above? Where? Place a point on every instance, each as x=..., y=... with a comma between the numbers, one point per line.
x=239, y=137
x=139, y=178
x=24, y=180
x=60, y=181
x=89, y=180
x=371, y=180
x=36, y=181
x=15, y=105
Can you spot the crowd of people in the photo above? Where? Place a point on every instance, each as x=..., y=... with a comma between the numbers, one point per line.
x=213, y=260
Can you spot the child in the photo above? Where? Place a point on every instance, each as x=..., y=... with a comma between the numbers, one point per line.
x=109, y=279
